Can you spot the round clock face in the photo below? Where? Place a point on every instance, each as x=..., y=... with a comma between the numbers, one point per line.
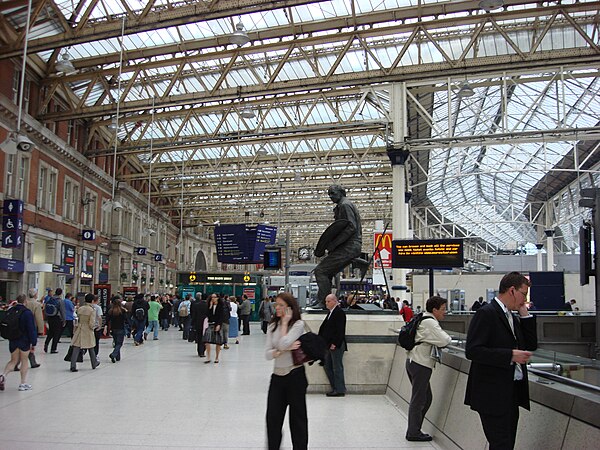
x=303, y=253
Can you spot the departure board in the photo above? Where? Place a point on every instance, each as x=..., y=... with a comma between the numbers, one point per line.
x=427, y=254
x=243, y=244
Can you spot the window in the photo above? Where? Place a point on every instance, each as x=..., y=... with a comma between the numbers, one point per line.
x=47, y=182
x=71, y=200
x=10, y=172
x=106, y=212
x=16, y=89
x=89, y=209
x=17, y=169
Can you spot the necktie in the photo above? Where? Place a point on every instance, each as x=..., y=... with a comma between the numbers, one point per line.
x=518, y=369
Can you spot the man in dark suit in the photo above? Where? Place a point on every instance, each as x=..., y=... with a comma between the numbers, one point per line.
x=199, y=314
x=499, y=345
x=333, y=332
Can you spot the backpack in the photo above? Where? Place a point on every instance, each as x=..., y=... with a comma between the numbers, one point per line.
x=406, y=337
x=9, y=326
x=183, y=311
x=51, y=308
x=140, y=313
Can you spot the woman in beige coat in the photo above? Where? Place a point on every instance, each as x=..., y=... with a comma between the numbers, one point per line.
x=84, y=333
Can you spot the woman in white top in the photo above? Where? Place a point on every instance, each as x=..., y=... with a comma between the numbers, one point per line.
x=233, y=319
x=288, y=382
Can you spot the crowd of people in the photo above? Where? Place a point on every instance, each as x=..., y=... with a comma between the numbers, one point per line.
x=208, y=320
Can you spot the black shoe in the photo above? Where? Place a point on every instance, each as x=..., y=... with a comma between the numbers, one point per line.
x=335, y=394
x=34, y=366
x=45, y=349
x=74, y=370
x=54, y=351
x=112, y=358
x=17, y=368
x=423, y=437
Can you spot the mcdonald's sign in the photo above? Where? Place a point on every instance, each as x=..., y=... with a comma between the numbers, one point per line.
x=383, y=258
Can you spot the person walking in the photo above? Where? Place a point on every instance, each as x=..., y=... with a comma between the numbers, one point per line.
x=233, y=319
x=69, y=314
x=420, y=362
x=244, y=314
x=199, y=314
x=406, y=312
x=36, y=309
x=333, y=332
x=22, y=341
x=138, y=315
x=499, y=346
x=225, y=321
x=153, y=312
x=288, y=381
x=213, y=334
x=185, y=318
x=54, y=309
x=84, y=337
x=265, y=313
x=116, y=317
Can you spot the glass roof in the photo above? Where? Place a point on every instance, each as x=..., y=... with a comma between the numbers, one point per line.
x=193, y=73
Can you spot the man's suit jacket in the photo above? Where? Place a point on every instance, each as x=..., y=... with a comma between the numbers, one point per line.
x=490, y=341
x=333, y=329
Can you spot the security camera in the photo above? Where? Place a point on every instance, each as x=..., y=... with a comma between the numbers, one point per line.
x=24, y=143
x=151, y=232
x=117, y=206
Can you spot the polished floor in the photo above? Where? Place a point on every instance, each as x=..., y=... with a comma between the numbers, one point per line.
x=161, y=395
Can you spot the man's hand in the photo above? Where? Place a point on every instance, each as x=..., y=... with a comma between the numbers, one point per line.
x=520, y=356
x=332, y=347
x=523, y=311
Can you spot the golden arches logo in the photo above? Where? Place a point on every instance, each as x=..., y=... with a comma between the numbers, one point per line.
x=384, y=240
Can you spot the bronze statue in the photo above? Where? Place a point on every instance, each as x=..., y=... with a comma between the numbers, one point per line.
x=342, y=240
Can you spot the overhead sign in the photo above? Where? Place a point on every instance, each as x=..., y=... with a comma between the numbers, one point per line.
x=141, y=251
x=158, y=257
x=427, y=254
x=88, y=235
x=12, y=223
x=383, y=243
x=12, y=207
x=12, y=265
x=243, y=244
x=12, y=239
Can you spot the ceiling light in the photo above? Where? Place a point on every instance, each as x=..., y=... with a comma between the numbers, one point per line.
x=239, y=36
x=113, y=124
x=465, y=90
x=297, y=176
x=65, y=65
x=247, y=113
x=217, y=222
x=262, y=151
x=490, y=5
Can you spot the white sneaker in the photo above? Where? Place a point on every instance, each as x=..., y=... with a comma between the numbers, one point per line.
x=25, y=387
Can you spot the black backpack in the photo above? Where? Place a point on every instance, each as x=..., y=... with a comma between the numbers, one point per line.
x=9, y=326
x=406, y=337
x=140, y=313
x=51, y=307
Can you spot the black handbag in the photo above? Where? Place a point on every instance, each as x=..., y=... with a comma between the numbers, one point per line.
x=70, y=353
x=193, y=333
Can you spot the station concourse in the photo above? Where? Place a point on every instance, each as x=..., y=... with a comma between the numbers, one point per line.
x=161, y=395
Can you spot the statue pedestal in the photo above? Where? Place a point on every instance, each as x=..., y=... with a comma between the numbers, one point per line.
x=371, y=347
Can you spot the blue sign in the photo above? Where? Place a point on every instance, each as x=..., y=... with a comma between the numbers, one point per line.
x=66, y=270
x=141, y=251
x=12, y=207
x=265, y=236
x=88, y=235
x=12, y=223
x=12, y=265
x=158, y=257
x=12, y=239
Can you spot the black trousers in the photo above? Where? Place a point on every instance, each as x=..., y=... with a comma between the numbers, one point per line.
x=54, y=331
x=245, y=322
x=264, y=325
x=97, y=334
x=284, y=391
x=501, y=430
x=421, y=396
x=69, y=328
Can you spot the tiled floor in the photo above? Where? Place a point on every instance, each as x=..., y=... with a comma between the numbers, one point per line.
x=161, y=395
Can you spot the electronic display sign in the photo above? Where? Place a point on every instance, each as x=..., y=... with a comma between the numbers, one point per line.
x=427, y=254
x=272, y=259
x=243, y=244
